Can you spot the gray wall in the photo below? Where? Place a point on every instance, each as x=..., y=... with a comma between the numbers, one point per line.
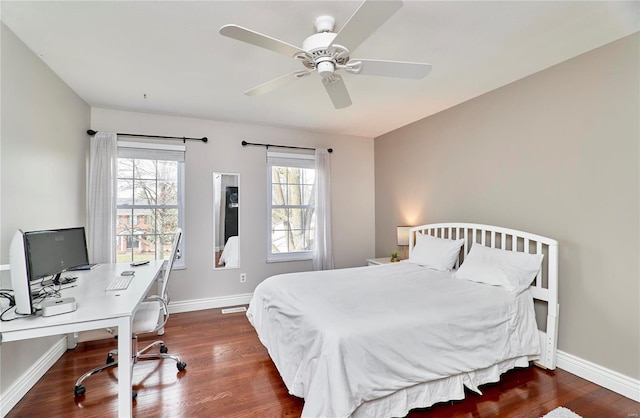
x=352, y=178
x=42, y=171
x=556, y=154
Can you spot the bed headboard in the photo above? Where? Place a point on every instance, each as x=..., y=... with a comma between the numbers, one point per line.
x=545, y=284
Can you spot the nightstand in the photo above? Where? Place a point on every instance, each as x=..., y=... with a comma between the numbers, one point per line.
x=378, y=261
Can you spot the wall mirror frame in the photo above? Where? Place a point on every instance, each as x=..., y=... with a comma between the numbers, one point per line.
x=226, y=220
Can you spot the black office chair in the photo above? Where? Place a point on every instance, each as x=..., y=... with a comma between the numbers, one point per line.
x=151, y=316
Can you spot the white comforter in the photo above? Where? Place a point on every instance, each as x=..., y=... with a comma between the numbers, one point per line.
x=229, y=256
x=343, y=337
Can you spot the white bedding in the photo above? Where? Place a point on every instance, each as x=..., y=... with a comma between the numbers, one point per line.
x=342, y=338
x=229, y=256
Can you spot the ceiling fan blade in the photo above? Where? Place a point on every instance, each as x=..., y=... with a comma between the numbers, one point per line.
x=369, y=16
x=337, y=91
x=254, y=38
x=275, y=83
x=414, y=70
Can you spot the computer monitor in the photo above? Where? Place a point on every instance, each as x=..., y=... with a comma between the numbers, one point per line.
x=39, y=254
x=51, y=252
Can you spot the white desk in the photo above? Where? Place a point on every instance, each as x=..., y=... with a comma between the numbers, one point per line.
x=97, y=309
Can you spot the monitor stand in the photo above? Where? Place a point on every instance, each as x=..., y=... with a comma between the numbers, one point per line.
x=55, y=280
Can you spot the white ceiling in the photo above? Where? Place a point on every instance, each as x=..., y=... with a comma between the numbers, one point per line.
x=112, y=53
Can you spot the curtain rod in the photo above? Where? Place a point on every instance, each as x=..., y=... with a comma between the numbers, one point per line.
x=184, y=139
x=244, y=143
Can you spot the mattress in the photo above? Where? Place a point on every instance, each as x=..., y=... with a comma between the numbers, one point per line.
x=349, y=338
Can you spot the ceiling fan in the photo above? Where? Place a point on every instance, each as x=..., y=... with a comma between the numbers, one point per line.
x=327, y=52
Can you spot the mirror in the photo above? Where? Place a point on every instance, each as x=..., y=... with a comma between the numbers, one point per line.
x=226, y=220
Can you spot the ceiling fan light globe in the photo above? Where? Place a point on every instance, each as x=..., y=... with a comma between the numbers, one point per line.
x=325, y=68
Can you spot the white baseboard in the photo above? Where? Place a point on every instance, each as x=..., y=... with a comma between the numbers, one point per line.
x=30, y=377
x=210, y=303
x=617, y=382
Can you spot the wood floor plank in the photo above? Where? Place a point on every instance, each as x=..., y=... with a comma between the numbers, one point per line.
x=230, y=374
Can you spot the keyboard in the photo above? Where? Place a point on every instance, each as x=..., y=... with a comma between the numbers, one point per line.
x=119, y=283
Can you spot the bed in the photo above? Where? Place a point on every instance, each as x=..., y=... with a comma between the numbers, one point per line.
x=382, y=340
x=229, y=256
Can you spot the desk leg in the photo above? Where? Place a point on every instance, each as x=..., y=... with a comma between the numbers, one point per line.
x=72, y=340
x=125, y=409
x=160, y=281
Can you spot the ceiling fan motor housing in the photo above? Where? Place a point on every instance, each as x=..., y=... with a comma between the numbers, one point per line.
x=318, y=42
x=323, y=59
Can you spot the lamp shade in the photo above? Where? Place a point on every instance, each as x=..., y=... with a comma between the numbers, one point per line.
x=403, y=235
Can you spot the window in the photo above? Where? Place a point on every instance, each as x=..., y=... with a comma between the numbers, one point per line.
x=291, y=206
x=150, y=201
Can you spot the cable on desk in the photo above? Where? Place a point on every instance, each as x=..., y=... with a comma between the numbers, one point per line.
x=4, y=293
x=12, y=319
x=49, y=291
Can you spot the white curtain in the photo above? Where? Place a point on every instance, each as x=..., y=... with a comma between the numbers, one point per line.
x=102, y=197
x=323, y=256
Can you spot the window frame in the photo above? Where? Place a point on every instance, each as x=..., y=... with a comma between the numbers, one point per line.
x=293, y=160
x=155, y=151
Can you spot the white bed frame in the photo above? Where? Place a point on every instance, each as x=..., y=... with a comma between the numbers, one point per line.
x=545, y=284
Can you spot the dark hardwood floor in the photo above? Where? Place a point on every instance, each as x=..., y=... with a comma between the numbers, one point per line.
x=230, y=374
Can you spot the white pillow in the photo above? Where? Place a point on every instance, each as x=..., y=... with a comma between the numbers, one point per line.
x=436, y=253
x=512, y=270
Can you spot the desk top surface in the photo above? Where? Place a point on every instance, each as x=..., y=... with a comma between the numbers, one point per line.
x=93, y=302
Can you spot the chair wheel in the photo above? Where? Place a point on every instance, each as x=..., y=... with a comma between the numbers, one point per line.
x=164, y=349
x=110, y=358
x=181, y=365
x=79, y=391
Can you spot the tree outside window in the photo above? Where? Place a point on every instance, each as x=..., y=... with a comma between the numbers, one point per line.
x=148, y=208
x=291, y=208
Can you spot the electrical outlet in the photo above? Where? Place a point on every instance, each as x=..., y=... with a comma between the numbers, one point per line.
x=243, y=277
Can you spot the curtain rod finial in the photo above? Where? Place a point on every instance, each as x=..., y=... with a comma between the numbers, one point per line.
x=205, y=139
x=330, y=150
x=91, y=132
